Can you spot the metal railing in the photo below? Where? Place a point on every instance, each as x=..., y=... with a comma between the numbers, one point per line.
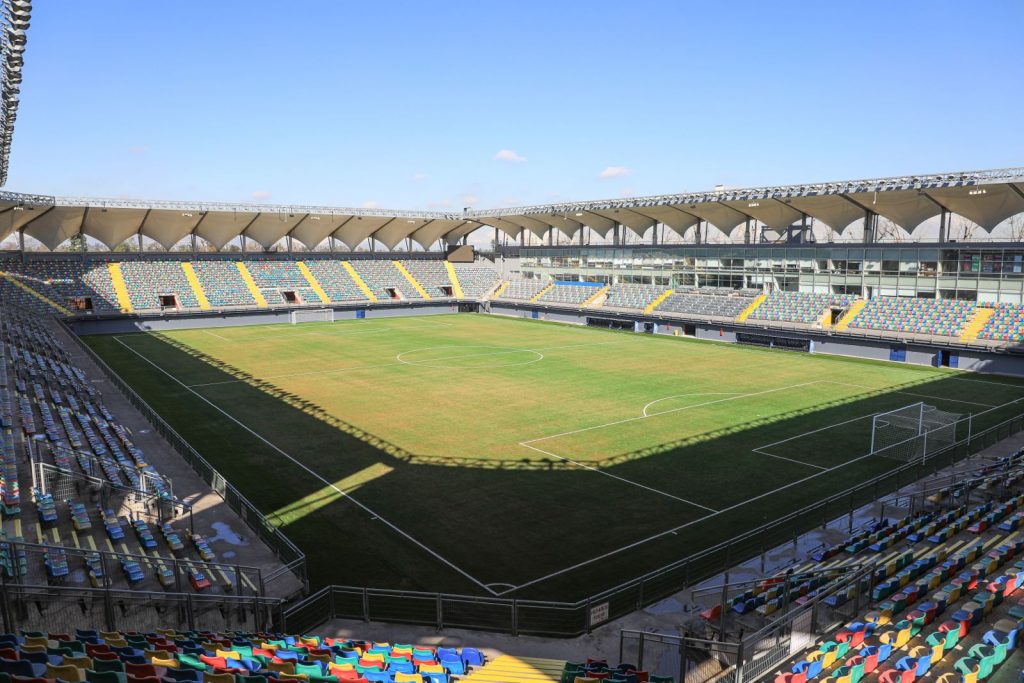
x=293, y=559
x=572, y=619
x=62, y=609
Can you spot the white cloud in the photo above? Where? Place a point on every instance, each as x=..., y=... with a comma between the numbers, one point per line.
x=470, y=199
x=138, y=149
x=261, y=195
x=369, y=205
x=417, y=177
x=615, y=172
x=508, y=155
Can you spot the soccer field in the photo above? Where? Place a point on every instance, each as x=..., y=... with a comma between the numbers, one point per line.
x=500, y=456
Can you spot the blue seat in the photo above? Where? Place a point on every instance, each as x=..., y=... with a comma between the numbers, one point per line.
x=22, y=667
x=472, y=656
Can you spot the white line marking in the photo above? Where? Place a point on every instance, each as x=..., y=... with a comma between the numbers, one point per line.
x=214, y=334
x=673, y=410
x=312, y=472
x=614, y=476
x=675, y=529
x=710, y=393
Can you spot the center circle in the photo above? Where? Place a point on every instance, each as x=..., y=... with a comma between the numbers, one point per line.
x=468, y=357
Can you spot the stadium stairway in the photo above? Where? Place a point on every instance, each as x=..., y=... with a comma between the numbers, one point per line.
x=538, y=295
x=977, y=323
x=412, y=281
x=456, y=285
x=17, y=283
x=751, y=308
x=120, y=288
x=501, y=289
x=852, y=312
x=197, y=287
x=509, y=669
x=359, y=281
x=251, y=285
x=313, y=284
x=657, y=302
x=597, y=299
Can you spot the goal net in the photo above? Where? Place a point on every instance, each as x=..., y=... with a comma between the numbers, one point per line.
x=312, y=315
x=913, y=432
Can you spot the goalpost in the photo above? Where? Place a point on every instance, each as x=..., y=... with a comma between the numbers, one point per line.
x=311, y=315
x=913, y=432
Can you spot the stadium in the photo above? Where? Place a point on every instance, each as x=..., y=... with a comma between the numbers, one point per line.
x=737, y=434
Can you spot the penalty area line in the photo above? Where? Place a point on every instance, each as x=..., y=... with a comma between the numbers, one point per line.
x=615, y=476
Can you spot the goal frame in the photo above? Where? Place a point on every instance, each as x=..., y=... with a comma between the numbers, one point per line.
x=298, y=316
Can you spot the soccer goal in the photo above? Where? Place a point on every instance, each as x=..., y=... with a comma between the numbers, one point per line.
x=311, y=315
x=913, y=432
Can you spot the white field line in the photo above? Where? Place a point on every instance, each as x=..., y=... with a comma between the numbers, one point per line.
x=709, y=393
x=675, y=529
x=909, y=393
x=406, y=363
x=214, y=334
x=312, y=472
x=614, y=476
x=673, y=410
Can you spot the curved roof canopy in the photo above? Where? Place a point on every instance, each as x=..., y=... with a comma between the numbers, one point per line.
x=984, y=197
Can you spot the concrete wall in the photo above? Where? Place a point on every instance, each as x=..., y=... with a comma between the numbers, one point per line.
x=187, y=321
x=917, y=354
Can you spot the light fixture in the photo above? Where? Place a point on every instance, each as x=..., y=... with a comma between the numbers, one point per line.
x=753, y=204
x=579, y=213
x=186, y=215
x=981, y=191
x=314, y=218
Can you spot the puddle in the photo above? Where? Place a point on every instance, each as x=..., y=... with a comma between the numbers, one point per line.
x=226, y=534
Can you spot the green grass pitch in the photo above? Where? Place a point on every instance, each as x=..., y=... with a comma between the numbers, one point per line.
x=488, y=455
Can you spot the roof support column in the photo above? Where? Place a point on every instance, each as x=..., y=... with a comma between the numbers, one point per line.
x=696, y=232
x=943, y=225
x=654, y=235
x=746, y=231
x=139, y=236
x=870, y=225
x=21, y=241
x=192, y=239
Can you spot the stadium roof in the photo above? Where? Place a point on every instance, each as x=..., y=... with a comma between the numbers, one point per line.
x=986, y=198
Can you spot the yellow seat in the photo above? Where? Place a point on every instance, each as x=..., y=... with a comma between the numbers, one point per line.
x=582, y=679
x=116, y=642
x=431, y=669
x=150, y=655
x=111, y=635
x=228, y=654
x=37, y=641
x=168, y=663
x=68, y=673
x=81, y=662
x=310, y=640
x=408, y=678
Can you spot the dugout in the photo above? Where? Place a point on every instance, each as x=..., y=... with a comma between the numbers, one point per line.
x=610, y=323
x=772, y=341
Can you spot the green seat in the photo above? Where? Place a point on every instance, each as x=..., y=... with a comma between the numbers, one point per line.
x=323, y=679
x=309, y=669
x=104, y=676
x=191, y=662
x=76, y=646
x=108, y=665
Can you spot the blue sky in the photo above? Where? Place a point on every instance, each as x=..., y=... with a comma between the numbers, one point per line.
x=411, y=104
